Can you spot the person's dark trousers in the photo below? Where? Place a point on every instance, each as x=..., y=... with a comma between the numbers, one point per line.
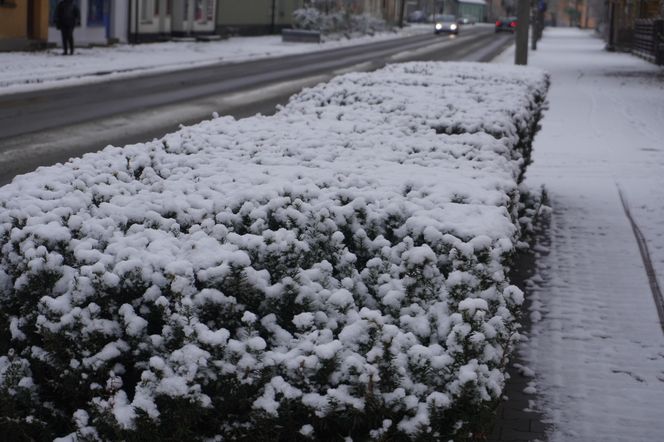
x=67, y=40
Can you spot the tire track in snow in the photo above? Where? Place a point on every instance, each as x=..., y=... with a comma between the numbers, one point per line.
x=597, y=363
x=647, y=262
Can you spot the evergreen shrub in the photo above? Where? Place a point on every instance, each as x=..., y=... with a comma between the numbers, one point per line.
x=335, y=270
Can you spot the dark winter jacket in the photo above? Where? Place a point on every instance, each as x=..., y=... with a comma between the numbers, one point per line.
x=67, y=15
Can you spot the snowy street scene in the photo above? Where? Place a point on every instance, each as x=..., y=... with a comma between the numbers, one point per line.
x=23, y=71
x=330, y=220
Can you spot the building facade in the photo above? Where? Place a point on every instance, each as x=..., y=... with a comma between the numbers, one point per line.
x=136, y=21
x=271, y=16
x=256, y=17
x=472, y=8
x=93, y=26
x=156, y=19
x=23, y=24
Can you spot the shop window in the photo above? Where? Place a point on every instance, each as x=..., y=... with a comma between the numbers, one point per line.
x=203, y=11
x=98, y=12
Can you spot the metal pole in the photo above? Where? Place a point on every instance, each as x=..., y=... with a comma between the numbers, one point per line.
x=136, y=22
x=129, y=9
x=522, y=19
x=610, y=46
x=533, y=34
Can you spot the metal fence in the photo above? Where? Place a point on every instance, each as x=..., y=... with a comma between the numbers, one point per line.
x=648, y=40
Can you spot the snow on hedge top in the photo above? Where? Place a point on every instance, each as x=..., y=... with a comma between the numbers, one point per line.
x=449, y=98
x=353, y=241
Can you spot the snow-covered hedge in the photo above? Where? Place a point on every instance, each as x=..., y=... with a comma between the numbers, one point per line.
x=335, y=270
x=337, y=22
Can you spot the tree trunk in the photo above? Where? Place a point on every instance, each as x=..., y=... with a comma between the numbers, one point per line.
x=402, y=11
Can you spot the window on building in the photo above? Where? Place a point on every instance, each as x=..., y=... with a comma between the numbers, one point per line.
x=147, y=9
x=203, y=10
x=98, y=12
x=157, y=7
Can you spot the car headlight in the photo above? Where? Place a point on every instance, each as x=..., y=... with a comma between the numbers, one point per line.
x=439, y=26
x=453, y=27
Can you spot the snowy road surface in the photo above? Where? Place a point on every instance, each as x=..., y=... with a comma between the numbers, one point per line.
x=22, y=71
x=45, y=127
x=596, y=344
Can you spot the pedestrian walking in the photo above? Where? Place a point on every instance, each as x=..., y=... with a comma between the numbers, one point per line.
x=67, y=17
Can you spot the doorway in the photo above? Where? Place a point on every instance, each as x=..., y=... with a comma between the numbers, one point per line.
x=31, y=20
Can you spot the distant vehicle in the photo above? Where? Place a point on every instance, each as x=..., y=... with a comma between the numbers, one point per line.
x=506, y=24
x=446, y=23
x=466, y=20
x=417, y=17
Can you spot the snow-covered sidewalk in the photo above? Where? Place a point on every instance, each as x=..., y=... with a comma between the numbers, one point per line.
x=23, y=71
x=596, y=344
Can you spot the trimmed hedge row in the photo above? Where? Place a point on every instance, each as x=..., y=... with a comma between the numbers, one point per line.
x=336, y=270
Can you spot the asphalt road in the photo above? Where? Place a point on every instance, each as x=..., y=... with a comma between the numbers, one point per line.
x=46, y=127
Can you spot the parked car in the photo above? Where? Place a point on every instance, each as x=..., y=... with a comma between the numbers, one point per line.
x=446, y=23
x=466, y=20
x=506, y=24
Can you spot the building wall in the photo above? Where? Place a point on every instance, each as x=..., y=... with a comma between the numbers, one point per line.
x=87, y=33
x=373, y=7
x=472, y=10
x=119, y=20
x=191, y=17
x=153, y=20
x=392, y=10
x=40, y=20
x=14, y=27
x=14, y=20
x=255, y=17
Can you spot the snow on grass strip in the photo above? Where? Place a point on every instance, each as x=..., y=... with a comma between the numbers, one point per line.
x=337, y=269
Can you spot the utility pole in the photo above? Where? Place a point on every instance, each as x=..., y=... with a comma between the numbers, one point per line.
x=535, y=31
x=522, y=23
x=535, y=34
x=611, y=44
x=136, y=23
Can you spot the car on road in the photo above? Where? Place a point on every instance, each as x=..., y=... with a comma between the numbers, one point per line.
x=466, y=20
x=506, y=24
x=446, y=23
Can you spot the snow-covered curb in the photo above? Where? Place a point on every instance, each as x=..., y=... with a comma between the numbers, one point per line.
x=29, y=71
x=335, y=269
